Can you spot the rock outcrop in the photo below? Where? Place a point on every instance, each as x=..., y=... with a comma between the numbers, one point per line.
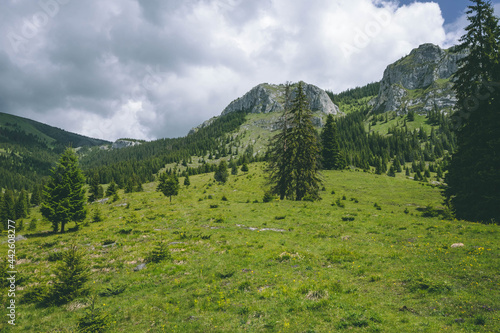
x=419, y=81
x=123, y=143
x=266, y=98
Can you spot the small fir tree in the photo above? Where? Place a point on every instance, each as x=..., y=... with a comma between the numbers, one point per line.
x=112, y=189
x=221, y=173
x=70, y=277
x=168, y=185
x=187, y=182
x=64, y=196
x=94, y=190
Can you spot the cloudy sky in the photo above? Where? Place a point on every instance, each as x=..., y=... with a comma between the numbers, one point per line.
x=150, y=69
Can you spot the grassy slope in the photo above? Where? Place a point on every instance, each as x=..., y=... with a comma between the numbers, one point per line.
x=384, y=271
x=383, y=127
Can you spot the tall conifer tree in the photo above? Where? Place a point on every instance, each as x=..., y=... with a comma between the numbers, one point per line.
x=293, y=168
x=330, y=150
x=64, y=195
x=473, y=182
x=281, y=151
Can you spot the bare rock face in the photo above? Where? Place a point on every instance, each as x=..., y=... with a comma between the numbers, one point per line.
x=419, y=81
x=123, y=143
x=266, y=98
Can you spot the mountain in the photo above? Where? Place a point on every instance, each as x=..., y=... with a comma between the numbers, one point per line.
x=266, y=98
x=14, y=129
x=419, y=82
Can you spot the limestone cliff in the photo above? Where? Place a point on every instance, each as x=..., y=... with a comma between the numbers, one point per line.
x=266, y=98
x=419, y=81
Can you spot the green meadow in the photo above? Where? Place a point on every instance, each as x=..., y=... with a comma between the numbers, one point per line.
x=363, y=259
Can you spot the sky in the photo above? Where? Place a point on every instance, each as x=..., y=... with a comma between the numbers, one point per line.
x=149, y=69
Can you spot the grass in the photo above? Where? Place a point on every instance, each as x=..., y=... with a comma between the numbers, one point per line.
x=280, y=266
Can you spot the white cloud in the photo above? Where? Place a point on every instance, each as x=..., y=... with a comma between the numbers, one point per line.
x=151, y=69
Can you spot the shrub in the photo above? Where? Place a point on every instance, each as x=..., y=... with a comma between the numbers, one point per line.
x=339, y=203
x=94, y=320
x=430, y=211
x=55, y=256
x=114, y=289
x=108, y=241
x=159, y=253
x=268, y=197
x=97, y=217
x=32, y=226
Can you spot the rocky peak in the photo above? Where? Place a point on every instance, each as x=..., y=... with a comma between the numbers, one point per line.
x=419, y=81
x=266, y=98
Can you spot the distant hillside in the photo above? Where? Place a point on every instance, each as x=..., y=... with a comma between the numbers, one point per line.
x=14, y=129
x=29, y=149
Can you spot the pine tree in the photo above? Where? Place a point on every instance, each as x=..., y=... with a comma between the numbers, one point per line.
x=7, y=210
x=234, y=168
x=94, y=188
x=168, y=185
x=64, y=195
x=330, y=150
x=36, y=196
x=21, y=206
x=305, y=162
x=187, y=182
x=281, y=152
x=473, y=182
x=112, y=189
x=221, y=173
x=70, y=277
x=293, y=168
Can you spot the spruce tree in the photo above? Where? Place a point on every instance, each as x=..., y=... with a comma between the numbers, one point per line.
x=95, y=192
x=36, y=196
x=187, y=182
x=473, y=182
x=21, y=206
x=305, y=161
x=112, y=189
x=7, y=210
x=221, y=173
x=70, y=277
x=168, y=185
x=64, y=195
x=293, y=168
x=281, y=152
x=234, y=168
x=330, y=150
